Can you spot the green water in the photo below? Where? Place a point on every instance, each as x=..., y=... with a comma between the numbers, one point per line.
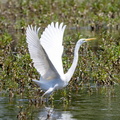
x=102, y=103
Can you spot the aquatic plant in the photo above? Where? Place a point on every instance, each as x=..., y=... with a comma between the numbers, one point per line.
x=99, y=62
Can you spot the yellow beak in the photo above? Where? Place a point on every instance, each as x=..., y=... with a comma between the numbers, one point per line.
x=90, y=39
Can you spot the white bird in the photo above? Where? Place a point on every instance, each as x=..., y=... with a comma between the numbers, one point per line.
x=46, y=54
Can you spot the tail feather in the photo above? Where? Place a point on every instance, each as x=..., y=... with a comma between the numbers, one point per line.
x=37, y=82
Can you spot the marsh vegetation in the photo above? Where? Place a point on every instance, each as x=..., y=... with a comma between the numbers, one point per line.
x=99, y=61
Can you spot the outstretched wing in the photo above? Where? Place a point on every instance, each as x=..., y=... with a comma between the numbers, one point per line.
x=39, y=56
x=51, y=40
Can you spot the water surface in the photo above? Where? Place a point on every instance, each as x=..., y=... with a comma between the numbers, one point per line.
x=102, y=104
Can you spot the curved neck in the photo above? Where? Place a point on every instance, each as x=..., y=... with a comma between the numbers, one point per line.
x=70, y=72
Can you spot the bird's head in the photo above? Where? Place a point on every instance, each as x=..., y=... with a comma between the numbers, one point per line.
x=83, y=40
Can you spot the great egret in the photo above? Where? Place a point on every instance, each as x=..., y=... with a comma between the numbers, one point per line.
x=46, y=54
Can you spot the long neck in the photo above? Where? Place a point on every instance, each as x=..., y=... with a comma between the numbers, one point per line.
x=70, y=72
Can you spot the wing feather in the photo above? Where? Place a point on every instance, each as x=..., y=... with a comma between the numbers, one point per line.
x=38, y=55
x=51, y=40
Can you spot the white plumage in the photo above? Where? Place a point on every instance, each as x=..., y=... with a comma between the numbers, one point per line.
x=46, y=53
